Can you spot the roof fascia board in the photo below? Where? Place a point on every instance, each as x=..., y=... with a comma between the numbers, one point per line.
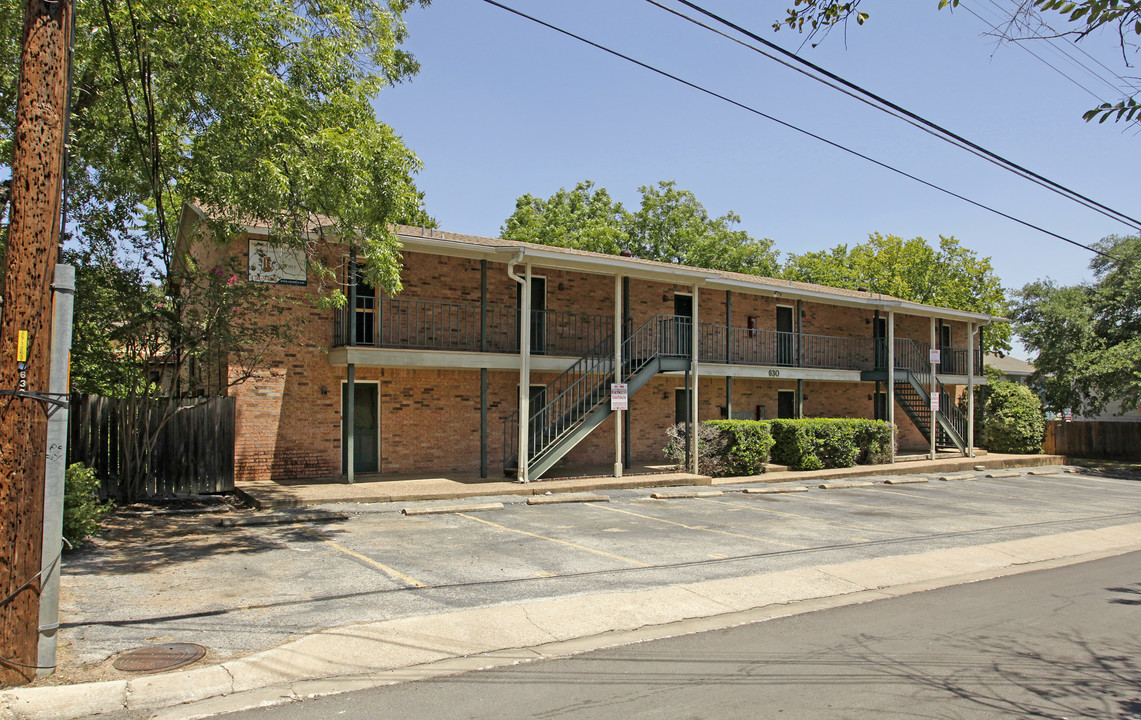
x=546, y=258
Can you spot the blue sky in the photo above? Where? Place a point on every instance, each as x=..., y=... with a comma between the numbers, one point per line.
x=503, y=107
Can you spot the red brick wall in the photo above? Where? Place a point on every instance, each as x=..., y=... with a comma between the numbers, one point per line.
x=289, y=415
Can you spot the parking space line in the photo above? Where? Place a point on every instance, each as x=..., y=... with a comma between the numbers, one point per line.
x=916, y=496
x=809, y=517
x=394, y=574
x=910, y=513
x=705, y=529
x=556, y=540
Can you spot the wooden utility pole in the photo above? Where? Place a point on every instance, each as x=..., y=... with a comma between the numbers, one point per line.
x=25, y=329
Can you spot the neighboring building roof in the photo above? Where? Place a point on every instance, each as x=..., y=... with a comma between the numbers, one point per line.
x=420, y=238
x=1008, y=365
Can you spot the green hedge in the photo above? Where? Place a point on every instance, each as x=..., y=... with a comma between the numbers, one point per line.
x=813, y=444
x=742, y=447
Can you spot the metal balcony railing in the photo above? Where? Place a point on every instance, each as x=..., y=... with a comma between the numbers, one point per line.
x=429, y=325
x=744, y=346
x=914, y=356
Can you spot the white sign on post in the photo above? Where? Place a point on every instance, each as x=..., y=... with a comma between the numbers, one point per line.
x=619, y=400
x=935, y=403
x=935, y=356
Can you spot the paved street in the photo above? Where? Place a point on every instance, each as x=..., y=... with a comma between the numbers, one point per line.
x=237, y=590
x=1061, y=643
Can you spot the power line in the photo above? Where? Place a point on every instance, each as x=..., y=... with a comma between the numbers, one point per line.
x=947, y=134
x=790, y=126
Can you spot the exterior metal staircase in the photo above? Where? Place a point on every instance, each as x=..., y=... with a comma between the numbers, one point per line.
x=578, y=400
x=912, y=380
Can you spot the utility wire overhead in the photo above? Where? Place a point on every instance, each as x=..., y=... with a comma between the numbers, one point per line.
x=795, y=128
x=870, y=101
x=940, y=130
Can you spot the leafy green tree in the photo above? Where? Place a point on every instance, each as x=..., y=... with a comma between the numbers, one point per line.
x=260, y=111
x=947, y=276
x=585, y=218
x=1026, y=19
x=1087, y=337
x=670, y=225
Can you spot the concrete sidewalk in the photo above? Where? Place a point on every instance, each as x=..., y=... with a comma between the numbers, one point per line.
x=368, y=655
x=377, y=488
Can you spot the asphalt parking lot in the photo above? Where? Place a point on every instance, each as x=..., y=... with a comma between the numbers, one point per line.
x=237, y=590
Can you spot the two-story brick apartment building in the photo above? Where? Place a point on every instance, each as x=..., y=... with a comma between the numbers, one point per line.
x=436, y=379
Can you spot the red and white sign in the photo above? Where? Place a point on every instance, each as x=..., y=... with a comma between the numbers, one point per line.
x=935, y=356
x=619, y=400
x=934, y=403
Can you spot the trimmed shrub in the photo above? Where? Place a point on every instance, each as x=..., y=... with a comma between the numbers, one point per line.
x=747, y=445
x=817, y=443
x=725, y=447
x=82, y=511
x=711, y=443
x=1013, y=421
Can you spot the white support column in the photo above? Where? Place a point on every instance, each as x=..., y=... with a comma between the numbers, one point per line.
x=891, y=376
x=970, y=389
x=619, y=375
x=525, y=376
x=694, y=356
x=933, y=395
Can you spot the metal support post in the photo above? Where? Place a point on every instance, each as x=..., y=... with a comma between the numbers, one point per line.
x=934, y=385
x=483, y=371
x=619, y=373
x=695, y=339
x=891, y=377
x=970, y=389
x=350, y=424
x=525, y=377
x=728, y=353
x=55, y=468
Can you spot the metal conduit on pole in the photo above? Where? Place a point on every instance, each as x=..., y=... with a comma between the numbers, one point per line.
x=56, y=468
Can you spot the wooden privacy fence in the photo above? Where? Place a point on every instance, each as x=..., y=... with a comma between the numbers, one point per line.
x=1094, y=439
x=146, y=448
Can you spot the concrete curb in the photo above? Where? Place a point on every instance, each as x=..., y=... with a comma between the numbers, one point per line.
x=445, y=509
x=683, y=494
x=566, y=498
x=776, y=489
x=904, y=480
x=360, y=656
x=842, y=485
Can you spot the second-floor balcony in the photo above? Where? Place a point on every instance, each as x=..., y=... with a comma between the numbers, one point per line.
x=397, y=323
x=467, y=327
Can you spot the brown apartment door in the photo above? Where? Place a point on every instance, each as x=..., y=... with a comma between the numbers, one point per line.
x=683, y=324
x=538, y=313
x=786, y=337
x=366, y=429
x=786, y=404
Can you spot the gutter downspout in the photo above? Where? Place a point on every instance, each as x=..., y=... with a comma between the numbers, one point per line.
x=524, y=363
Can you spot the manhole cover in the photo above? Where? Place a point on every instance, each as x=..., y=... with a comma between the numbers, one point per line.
x=157, y=658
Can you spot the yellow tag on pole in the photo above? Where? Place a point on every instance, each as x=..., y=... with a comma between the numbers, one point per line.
x=22, y=347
